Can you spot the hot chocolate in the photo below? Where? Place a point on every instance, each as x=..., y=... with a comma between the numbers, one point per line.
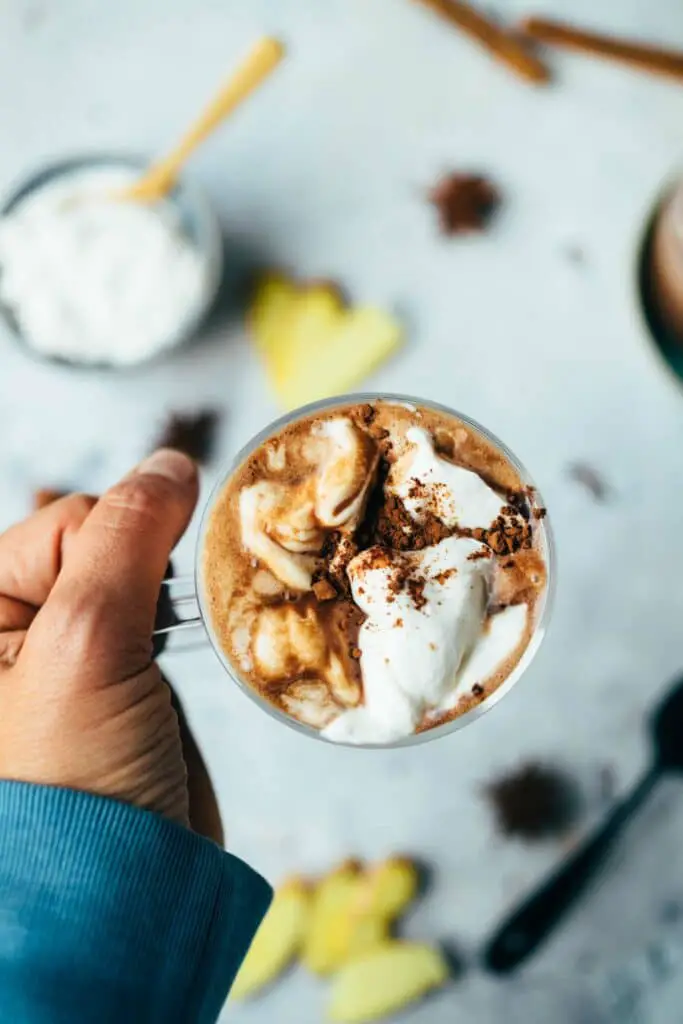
x=375, y=569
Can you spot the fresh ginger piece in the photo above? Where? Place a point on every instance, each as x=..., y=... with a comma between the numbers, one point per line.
x=273, y=301
x=364, y=933
x=384, y=980
x=353, y=933
x=314, y=315
x=327, y=938
x=337, y=361
x=311, y=345
x=365, y=904
x=389, y=887
x=278, y=939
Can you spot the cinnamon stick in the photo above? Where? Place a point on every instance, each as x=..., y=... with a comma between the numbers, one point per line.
x=500, y=44
x=643, y=56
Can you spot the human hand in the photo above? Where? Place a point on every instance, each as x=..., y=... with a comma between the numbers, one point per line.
x=82, y=705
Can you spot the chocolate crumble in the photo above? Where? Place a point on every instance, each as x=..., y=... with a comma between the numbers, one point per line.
x=465, y=202
x=535, y=802
x=191, y=433
x=416, y=589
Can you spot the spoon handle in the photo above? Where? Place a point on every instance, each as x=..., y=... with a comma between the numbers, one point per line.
x=532, y=922
x=258, y=64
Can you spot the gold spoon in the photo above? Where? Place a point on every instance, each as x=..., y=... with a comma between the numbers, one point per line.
x=161, y=176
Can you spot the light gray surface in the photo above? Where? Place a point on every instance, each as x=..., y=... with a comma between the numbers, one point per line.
x=325, y=172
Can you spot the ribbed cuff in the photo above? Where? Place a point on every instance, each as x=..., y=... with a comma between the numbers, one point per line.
x=101, y=897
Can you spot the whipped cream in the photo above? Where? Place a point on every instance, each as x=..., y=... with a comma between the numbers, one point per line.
x=410, y=655
x=457, y=496
x=419, y=657
x=501, y=637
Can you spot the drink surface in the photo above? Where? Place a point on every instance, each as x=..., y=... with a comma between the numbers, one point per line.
x=375, y=569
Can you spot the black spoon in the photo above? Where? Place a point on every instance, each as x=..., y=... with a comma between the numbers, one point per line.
x=531, y=924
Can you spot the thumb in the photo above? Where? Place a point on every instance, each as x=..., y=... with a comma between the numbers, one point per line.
x=99, y=618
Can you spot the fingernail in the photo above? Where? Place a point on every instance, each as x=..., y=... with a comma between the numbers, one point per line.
x=172, y=464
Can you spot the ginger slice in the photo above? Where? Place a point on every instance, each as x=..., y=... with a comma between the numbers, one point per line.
x=365, y=905
x=382, y=893
x=274, y=298
x=326, y=943
x=311, y=345
x=363, y=339
x=314, y=315
x=278, y=939
x=384, y=980
x=364, y=933
x=388, y=888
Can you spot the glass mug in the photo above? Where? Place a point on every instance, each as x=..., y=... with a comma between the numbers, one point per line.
x=168, y=620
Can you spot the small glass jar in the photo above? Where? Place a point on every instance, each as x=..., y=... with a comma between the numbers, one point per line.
x=198, y=223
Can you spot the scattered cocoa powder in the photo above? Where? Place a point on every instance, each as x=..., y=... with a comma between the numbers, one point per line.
x=535, y=802
x=416, y=589
x=475, y=556
x=192, y=433
x=465, y=202
x=395, y=528
x=509, y=533
x=520, y=502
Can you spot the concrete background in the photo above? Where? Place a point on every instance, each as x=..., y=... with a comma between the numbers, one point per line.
x=326, y=172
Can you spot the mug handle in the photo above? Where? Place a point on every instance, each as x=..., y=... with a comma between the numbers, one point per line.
x=168, y=620
x=169, y=615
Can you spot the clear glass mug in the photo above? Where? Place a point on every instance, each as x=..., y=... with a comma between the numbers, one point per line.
x=202, y=617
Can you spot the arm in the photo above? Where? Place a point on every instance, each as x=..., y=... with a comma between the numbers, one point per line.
x=111, y=909
x=113, y=914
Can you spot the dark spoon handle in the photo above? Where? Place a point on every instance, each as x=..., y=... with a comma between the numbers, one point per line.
x=535, y=919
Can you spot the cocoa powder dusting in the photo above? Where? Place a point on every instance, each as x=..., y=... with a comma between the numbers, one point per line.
x=509, y=533
x=416, y=589
x=395, y=528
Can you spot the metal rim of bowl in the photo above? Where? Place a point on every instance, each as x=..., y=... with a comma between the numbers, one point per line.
x=213, y=246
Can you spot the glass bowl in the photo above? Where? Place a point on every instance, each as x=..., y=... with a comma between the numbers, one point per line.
x=542, y=611
x=198, y=222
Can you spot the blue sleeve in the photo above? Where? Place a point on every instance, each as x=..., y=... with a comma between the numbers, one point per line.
x=113, y=915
